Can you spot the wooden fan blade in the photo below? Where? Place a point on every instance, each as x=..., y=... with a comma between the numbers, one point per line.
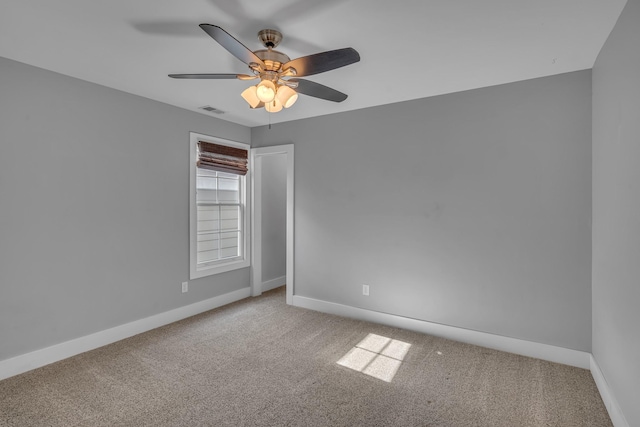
x=212, y=76
x=324, y=61
x=307, y=87
x=234, y=47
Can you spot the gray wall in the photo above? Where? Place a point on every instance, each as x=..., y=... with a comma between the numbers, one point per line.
x=470, y=209
x=94, y=199
x=616, y=211
x=274, y=217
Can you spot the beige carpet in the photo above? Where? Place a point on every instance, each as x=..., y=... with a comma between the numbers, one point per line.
x=259, y=362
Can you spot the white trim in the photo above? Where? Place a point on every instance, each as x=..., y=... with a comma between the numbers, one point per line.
x=45, y=356
x=274, y=283
x=290, y=225
x=35, y=359
x=194, y=272
x=256, y=224
x=256, y=219
x=615, y=413
x=551, y=353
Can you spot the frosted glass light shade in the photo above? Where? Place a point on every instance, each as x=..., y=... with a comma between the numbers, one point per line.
x=273, y=106
x=266, y=91
x=286, y=96
x=251, y=96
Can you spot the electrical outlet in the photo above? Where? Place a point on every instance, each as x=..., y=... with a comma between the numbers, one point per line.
x=365, y=290
x=185, y=287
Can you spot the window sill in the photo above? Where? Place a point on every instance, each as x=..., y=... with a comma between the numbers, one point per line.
x=217, y=269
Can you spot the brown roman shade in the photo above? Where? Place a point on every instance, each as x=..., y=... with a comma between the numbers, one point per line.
x=222, y=158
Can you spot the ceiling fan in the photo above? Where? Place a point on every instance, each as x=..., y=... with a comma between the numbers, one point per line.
x=279, y=83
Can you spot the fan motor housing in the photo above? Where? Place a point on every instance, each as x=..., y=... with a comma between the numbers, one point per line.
x=272, y=59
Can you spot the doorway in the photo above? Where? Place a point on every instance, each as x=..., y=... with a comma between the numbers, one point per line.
x=271, y=199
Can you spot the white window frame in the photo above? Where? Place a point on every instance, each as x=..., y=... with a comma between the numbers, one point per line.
x=243, y=261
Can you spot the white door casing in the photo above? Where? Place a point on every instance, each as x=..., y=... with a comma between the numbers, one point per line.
x=256, y=218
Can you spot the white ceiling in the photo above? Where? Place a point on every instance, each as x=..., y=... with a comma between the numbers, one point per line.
x=409, y=48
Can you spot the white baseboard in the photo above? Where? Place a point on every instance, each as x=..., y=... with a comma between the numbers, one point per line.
x=580, y=359
x=274, y=283
x=551, y=353
x=45, y=356
x=615, y=413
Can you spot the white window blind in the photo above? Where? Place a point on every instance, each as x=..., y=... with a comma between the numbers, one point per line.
x=219, y=215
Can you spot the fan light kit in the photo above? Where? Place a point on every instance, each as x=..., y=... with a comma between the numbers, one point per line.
x=279, y=86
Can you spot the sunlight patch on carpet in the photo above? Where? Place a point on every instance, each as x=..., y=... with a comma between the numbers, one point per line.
x=376, y=356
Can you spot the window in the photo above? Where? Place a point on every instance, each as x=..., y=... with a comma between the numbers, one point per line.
x=218, y=200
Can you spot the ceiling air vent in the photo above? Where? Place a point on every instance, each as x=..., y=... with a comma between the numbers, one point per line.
x=211, y=109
